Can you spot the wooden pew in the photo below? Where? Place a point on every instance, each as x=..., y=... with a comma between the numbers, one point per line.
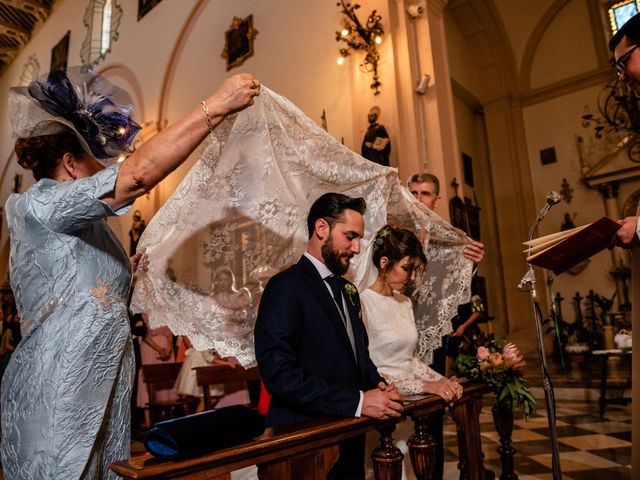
x=222, y=374
x=162, y=376
x=308, y=450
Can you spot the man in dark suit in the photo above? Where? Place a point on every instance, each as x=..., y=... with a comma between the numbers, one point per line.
x=311, y=344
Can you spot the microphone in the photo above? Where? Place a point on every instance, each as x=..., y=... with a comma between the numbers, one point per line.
x=553, y=198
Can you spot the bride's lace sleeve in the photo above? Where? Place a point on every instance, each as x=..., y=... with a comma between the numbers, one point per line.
x=413, y=385
x=423, y=371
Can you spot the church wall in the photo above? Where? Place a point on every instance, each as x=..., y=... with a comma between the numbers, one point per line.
x=561, y=52
x=295, y=55
x=556, y=124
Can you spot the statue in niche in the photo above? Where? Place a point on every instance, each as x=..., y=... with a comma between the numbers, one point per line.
x=376, y=145
x=137, y=227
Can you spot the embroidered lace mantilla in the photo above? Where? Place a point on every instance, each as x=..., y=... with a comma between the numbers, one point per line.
x=244, y=205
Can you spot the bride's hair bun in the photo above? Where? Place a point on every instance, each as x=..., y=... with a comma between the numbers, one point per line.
x=41, y=154
x=395, y=244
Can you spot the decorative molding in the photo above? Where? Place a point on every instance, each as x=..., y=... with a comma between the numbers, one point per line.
x=534, y=40
x=178, y=46
x=563, y=87
x=30, y=70
x=489, y=44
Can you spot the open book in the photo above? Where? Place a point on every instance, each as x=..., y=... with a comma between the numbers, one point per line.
x=561, y=251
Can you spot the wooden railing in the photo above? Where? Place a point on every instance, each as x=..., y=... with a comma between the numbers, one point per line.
x=309, y=449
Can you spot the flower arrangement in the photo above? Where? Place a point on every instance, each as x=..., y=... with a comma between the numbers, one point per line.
x=482, y=358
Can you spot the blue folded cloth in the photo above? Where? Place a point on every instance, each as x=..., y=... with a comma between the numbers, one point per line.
x=203, y=433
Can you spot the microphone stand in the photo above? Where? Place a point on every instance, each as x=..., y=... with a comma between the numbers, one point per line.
x=549, y=397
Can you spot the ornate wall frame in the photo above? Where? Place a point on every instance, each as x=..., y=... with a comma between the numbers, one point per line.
x=238, y=41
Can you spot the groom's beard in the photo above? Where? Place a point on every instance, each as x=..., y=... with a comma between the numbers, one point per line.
x=333, y=259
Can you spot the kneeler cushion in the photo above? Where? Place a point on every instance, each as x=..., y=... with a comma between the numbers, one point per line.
x=203, y=433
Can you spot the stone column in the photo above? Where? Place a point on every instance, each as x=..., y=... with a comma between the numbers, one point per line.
x=515, y=206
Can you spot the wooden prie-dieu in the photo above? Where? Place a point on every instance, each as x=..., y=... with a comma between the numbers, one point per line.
x=308, y=450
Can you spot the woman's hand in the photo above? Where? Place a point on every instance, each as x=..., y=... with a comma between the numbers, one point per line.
x=449, y=390
x=139, y=260
x=235, y=94
x=458, y=332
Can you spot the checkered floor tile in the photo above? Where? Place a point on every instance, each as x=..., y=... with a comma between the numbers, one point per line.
x=590, y=447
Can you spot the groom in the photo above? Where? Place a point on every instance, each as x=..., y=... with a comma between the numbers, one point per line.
x=311, y=344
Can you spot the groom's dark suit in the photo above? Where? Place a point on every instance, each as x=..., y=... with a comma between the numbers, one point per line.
x=303, y=350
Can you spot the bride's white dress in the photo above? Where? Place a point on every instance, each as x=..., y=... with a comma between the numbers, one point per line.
x=392, y=346
x=393, y=338
x=244, y=205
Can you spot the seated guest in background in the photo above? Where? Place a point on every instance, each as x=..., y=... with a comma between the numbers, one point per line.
x=311, y=344
x=187, y=383
x=156, y=347
x=226, y=295
x=393, y=338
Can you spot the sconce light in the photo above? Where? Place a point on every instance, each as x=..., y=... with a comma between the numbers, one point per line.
x=365, y=37
x=423, y=84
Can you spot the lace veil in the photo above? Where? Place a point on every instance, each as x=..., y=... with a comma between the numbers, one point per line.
x=244, y=206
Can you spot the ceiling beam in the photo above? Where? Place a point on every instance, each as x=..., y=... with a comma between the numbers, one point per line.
x=34, y=7
x=14, y=31
x=7, y=54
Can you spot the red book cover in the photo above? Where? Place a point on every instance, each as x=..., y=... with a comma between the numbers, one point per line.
x=576, y=247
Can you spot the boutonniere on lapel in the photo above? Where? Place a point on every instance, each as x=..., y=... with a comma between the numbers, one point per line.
x=351, y=291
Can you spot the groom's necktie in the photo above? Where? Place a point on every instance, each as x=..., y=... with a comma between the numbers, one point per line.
x=334, y=283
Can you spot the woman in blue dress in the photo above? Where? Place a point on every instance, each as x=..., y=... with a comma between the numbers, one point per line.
x=66, y=391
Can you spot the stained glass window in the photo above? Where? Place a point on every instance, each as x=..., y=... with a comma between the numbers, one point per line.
x=621, y=12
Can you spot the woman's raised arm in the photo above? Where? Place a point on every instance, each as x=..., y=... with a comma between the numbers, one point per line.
x=167, y=150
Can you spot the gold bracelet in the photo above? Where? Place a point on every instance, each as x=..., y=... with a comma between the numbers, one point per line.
x=205, y=109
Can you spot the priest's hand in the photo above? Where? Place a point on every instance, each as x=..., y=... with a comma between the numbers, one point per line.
x=626, y=236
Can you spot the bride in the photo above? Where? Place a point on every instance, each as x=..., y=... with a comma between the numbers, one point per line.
x=393, y=337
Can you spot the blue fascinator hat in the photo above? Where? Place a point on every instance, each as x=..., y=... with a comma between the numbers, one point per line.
x=80, y=100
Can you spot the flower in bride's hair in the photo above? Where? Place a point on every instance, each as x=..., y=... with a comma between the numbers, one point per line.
x=381, y=235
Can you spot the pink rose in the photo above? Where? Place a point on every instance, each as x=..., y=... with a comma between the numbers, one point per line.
x=483, y=353
x=512, y=357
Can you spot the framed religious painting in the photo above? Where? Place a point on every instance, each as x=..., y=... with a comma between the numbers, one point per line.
x=60, y=53
x=238, y=41
x=145, y=6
